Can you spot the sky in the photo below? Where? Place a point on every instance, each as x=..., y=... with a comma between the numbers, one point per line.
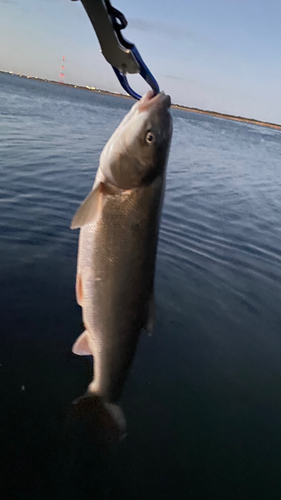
x=219, y=55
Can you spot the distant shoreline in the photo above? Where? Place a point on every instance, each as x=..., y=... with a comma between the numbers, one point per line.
x=175, y=106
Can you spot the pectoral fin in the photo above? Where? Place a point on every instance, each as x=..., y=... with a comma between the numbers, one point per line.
x=90, y=208
x=82, y=345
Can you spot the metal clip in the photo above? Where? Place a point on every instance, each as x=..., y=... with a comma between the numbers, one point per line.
x=119, y=52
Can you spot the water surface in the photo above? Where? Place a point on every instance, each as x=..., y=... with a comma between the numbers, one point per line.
x=202, y=402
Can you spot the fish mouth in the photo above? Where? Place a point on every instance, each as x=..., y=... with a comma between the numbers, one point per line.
x=150, y=100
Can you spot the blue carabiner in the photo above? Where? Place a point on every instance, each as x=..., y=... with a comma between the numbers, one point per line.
x=103, y=10
x=119, y=23
x=144, y=72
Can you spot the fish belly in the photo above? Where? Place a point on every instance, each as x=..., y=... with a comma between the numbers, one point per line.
x=115, y=275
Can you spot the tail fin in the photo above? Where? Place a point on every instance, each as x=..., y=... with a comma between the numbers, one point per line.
x=105, y=420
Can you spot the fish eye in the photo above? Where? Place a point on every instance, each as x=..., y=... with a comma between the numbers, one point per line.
x=150, y=138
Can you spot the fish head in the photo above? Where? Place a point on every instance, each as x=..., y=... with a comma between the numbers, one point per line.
x=137, y=152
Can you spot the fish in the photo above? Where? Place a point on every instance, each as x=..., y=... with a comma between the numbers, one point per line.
x=119, y=224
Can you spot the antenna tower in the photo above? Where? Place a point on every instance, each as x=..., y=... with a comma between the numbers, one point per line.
x=62, y=75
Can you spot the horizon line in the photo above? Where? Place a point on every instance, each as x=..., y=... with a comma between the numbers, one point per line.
x=217, y=114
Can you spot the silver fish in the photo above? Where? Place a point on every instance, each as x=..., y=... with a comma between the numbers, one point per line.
x=119, y=223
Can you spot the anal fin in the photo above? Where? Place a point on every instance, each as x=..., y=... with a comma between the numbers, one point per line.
x=82, y=345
